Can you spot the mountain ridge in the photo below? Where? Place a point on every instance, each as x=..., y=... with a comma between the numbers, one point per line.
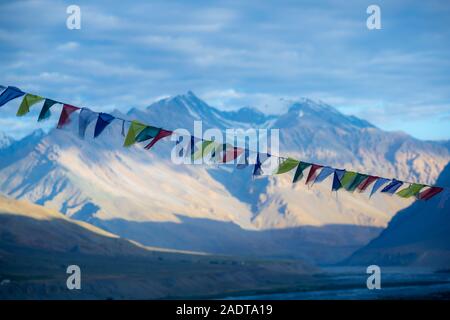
x=99, y=180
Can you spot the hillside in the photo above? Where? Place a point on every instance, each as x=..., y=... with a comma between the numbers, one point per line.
x=37, y=245
x=24, y=224
x=136, y=193
x=418, y=235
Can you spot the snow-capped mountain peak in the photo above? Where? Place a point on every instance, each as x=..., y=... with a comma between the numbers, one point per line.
x=126, y=189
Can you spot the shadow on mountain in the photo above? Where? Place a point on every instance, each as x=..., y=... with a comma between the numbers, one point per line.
x=240, y=184
x=62, y=235
x=319, y=245
x=416, y=236
x=35, y=253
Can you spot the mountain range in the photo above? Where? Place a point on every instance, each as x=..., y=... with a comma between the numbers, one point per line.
x=143, y=196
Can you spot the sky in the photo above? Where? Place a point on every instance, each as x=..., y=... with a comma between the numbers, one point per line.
x=234, y=54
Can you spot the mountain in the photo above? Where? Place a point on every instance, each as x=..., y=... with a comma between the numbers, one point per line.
x=23, y=224
x=418, y=235
x=143, y=196
x=37, y=245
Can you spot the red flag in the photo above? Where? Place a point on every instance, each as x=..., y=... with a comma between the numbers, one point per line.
x=313, y=173
x=366, y=183
x=429, y=193
x=65, y=114
x=232, y=154
x=161, y=134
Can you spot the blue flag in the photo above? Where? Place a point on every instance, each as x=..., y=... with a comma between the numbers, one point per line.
x=325, y=173
x=257, y=170
x=392, y=187
x=86, y=116
x=377, y=185
x=103, y=120
x=244, y=158
x=338, y=174
x=9, y=94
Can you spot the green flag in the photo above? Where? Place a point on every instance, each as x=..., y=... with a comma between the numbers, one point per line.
x=410, y=191
x=149, y=132
x=299, y=172
x=206, y=147
x=27, y=102
x=360, y=177
x=287, y=165
x=135, y=128
x=347, y=179
x=219, y=149
x=45, y=111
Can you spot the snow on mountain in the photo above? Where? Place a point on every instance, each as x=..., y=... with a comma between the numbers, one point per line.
x=320, y=133
x=418, y=235
x=97, y=176
x=133, y=192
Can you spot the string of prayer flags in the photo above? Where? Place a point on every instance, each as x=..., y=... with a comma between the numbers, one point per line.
x=360, y=177
x=10, y=93
x=269, y=164
x=149, y=132
x=231, y=154
x=103, y=120
x=122, y=132
x=64, y=118
x=313, y=173
x=366, y=183
x=378, y=184
x=27, y=101
x=161, y=134
x=410, y=191
x=266, y=164
x=244, y=160
x=84, y=119
x=45, y=111
x=287, y=165
x=324, y=173
x=206, y=148
x=257, y=168
x=347, y=179
x=192, y=146
x=429, y=193
x=299, y=172
x=392, y=186
x=263, y=164
x=135, y=128
x=338, y=174
x=219, y=151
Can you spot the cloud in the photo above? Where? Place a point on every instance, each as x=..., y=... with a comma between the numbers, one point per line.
x=231, y=99
x=234, y=53
x=67, y=46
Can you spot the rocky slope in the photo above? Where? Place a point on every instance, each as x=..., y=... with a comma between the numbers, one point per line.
x=37, y=245
x=418, y=235
x=134, y=192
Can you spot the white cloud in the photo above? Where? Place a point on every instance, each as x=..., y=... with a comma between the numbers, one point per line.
x=231, y=99
x=233, y=54
x=68, y=46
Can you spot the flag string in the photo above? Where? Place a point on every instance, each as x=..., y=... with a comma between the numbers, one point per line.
x=10, y=93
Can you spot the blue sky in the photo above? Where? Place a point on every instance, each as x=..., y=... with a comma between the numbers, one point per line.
x=233, y=54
